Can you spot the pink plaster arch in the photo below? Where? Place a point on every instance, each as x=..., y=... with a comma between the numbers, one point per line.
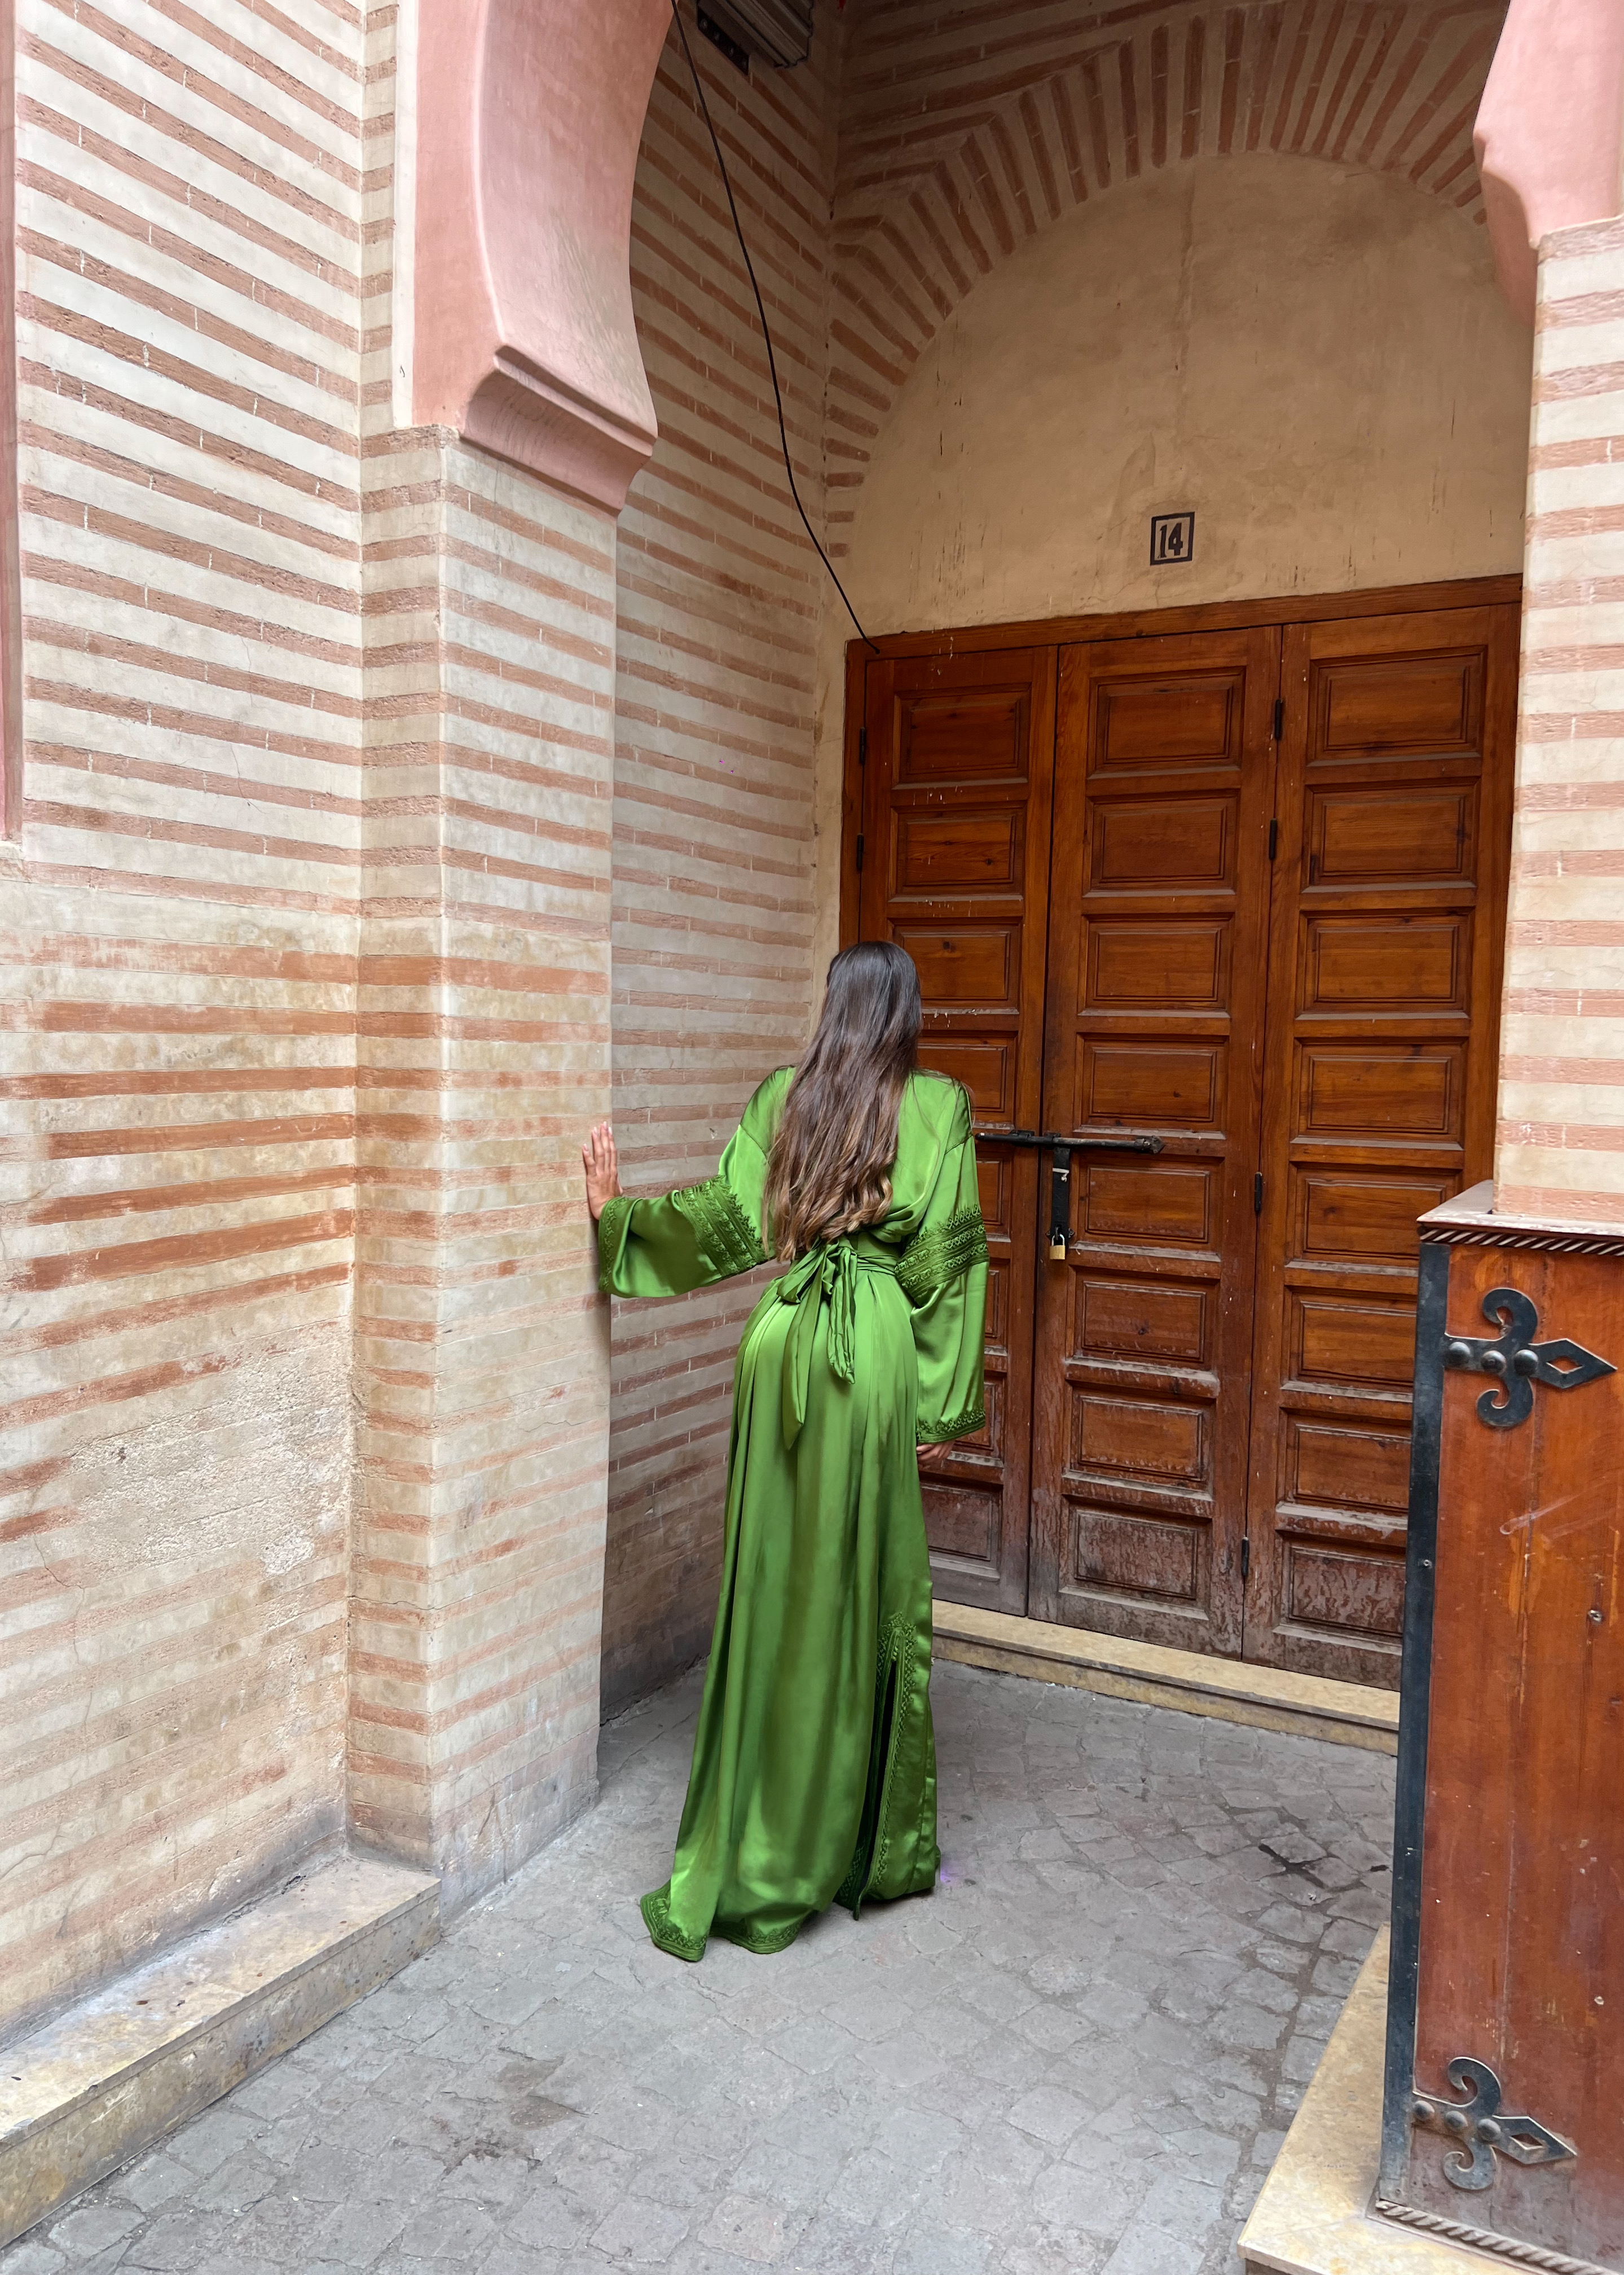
x=530, y=113
x=1550, y=132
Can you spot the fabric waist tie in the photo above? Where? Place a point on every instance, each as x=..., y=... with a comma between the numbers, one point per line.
x=829, y=1271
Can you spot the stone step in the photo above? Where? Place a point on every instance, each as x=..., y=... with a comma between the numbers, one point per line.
x=86, y=2092
x=1231, y=1690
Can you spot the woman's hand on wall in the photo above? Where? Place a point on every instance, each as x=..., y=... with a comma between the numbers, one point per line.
x=603, y=1170
x=929, y=1453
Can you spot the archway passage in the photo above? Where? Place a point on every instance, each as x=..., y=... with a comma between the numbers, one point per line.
x=1228, y=884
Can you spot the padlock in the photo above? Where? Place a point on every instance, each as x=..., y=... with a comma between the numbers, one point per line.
x=1057, y=1247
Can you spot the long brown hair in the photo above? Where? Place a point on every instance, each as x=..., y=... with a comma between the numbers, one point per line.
x=829, y=1167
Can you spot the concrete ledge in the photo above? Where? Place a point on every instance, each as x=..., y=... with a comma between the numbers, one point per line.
x=1347, y=1714
x=100, y=2083
x=1314, y=2216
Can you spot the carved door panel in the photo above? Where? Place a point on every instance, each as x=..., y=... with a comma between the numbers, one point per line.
x=955, y=843
x=1387, y=934
x=1164, y=783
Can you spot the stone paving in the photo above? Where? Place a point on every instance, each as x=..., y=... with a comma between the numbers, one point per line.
x=1078, y=2058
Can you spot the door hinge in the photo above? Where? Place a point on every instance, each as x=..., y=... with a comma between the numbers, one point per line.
x=1273, y=839
x=1257, y=1181
x=862, y=746
x=859, y=852
x=1279, y=716
x=1246, y=1557
x=1479, y=2125
x=1516, y=1361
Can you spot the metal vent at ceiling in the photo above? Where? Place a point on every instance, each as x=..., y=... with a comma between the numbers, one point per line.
x=779, y=31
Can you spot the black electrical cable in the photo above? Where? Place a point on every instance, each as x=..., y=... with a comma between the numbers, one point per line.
x=772, y=365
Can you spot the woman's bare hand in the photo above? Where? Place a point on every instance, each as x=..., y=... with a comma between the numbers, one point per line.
x=603, y=1170
x=929, y=1453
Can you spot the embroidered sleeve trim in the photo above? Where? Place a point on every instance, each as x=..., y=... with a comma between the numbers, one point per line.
x=934, y=1257
x=934, y=1431
x=727, y=1241
x=612, y=1237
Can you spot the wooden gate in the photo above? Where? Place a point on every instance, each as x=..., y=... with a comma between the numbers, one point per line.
x=1237, y=886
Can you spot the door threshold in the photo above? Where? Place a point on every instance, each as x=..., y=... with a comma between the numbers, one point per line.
x=1229, y=1690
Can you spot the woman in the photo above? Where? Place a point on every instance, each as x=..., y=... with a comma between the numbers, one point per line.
x=814, y=1766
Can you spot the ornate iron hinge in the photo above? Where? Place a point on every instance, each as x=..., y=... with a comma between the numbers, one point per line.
x=1517, y=1361
x=1482, y=2128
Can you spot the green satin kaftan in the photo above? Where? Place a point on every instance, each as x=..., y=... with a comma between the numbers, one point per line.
x=814, y=1764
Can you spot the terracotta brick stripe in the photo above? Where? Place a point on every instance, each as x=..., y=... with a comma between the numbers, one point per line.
x=108, y=952
x=250, y=403
x=1579, y=308
x=1566, y=1002
x=116, y=528
x=64, y=1016
x=1577, y=381
x=62, y=876
x=189, y=316
x=66, y=388
x=1565, y=797
x=126, y=592
x=1587, y=864
x=1607, y=1073
x=1568, y=726
x=1577, y=521
x=189, y=197
x=116, y=219
x=265, y=181
x=202, y=671
x=183, y=1252
x=1592, y=932
x=207, y=497
x=338, y=58
x=199, y=1136
x=203, y=1192
x=1566, y=1136
x=175, y=1082
x=1602, y=657
x=155, y=829
x=262, y=125
x=201, y=725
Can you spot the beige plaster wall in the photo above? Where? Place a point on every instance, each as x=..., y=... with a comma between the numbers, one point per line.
x=1316, y=360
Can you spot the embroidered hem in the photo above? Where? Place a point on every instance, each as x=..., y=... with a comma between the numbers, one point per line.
x=763, y=1941
x=932, y=1432
x=656, y=1910
x=727, y=1240
x=934, y=1258
x=612, y=1237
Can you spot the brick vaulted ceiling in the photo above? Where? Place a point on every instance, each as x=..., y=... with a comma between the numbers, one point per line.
x=965, y=130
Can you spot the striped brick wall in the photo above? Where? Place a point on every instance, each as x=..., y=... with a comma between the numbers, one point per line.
x=483, y=1050
x=178, y=945
x=718, y=600
x=1561, y=1150
x=964, y=132
x=482, y=1047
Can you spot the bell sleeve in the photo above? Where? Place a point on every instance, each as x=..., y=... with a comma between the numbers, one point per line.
x=686, y=1239
x=943, y=1274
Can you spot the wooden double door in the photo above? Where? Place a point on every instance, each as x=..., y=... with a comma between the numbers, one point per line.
x=1241, y=891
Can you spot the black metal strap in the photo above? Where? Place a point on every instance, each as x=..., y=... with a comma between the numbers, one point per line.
x=1059, y=1168
x=1086, y=1144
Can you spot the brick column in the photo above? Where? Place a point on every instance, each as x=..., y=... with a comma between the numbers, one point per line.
x=483, y=1053
x=1561, y=1151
